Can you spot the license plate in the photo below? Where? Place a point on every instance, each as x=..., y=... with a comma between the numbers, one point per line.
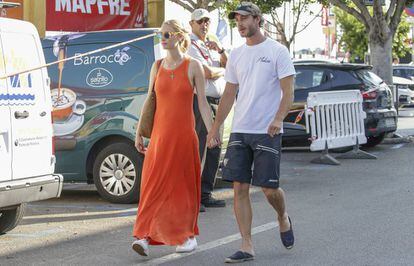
x=389, y=114
x=390, y=122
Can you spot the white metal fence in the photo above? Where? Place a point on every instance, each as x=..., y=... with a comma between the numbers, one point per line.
x=336, y=120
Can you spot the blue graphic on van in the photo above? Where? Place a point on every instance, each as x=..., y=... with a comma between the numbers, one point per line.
x=17, y=97
x=99, y=77
x=16, y=81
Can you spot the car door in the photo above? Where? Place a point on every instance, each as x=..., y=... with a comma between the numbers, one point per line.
x=308, y=79
x=5, y=128
x=30, y=109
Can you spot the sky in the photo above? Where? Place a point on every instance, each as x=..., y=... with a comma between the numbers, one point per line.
x=311, y=38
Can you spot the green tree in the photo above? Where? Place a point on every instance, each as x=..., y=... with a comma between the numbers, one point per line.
x=354, y=36
x=381, y=27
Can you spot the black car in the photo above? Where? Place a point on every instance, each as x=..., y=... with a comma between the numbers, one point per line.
x=322, y=76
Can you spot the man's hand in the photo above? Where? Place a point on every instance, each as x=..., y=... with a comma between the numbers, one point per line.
x=139, y=144
x=213, y=138
x=274, y=128
x=212, y=45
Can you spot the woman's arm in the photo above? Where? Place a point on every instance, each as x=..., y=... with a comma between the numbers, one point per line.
x=139, y=141
x=199, y=82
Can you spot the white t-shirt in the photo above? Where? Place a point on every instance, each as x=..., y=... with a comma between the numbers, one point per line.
x=199, y=51
x=257, y=70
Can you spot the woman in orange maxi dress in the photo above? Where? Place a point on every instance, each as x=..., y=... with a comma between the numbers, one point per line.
x=170, y=185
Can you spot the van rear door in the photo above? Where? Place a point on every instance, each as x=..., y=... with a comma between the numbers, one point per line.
x=5, y=128
x=30, y=102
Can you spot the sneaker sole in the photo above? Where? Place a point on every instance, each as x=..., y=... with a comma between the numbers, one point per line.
x=184, y=251
x=140, y=250
x=237, y=261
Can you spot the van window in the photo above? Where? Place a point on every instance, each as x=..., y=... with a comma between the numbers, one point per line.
x=123, y=69
x=18, y=57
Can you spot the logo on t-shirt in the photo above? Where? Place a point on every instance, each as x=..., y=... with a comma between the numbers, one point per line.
x=263, y=59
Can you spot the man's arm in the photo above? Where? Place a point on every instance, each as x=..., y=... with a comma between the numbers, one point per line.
x=286, y=85
x=223, y=58
x=226, y=103
x=213, y=72
x=212, y=45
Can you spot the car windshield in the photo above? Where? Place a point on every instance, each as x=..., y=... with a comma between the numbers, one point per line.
x=368, y=77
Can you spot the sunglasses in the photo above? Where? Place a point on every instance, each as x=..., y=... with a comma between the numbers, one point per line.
x=203, y=20
x=165, y=35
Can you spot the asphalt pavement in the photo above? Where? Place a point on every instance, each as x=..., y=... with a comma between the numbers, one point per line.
x=358, y=213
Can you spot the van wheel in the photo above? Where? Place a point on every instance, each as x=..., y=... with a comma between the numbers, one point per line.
x=10, y=218
x=117, y=173
x=374, y=140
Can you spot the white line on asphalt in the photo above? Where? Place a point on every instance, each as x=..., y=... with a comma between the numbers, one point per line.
x=210, y=245
x=37, y=234
x=394, y=147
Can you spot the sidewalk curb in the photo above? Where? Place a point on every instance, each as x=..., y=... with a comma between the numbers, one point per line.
x=398, y=140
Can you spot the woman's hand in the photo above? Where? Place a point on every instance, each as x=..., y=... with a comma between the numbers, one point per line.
x=139, y=144
x=213, y=139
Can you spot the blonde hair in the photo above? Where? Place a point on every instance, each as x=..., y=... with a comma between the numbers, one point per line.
x=177, y=26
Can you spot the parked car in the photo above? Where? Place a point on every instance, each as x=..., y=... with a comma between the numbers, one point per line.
x=405, y=91
x=97, y=99
x=27, y=161
x=321, y=76
x=403, y=71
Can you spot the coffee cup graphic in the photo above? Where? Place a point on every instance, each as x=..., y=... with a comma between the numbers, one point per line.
x=63, y=101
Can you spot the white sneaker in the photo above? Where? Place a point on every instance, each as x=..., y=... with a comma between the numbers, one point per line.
x=189, y=245
x=141, y=247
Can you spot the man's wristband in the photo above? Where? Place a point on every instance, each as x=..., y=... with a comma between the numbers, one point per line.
x=221, y=51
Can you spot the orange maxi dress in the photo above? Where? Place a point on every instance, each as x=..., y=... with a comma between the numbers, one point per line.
x=171, y=179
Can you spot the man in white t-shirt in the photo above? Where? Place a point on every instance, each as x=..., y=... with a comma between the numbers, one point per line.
x=260, y=73
x=213, y=57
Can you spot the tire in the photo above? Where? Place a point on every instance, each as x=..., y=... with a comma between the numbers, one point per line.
x=117, y=173
x=374, y=140
x=10, y=218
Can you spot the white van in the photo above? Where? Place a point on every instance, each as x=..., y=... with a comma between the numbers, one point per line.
x=27, y=158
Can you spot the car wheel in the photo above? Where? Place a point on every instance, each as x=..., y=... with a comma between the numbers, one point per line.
x=374, y=140
x=10, y=218
x=117, y=173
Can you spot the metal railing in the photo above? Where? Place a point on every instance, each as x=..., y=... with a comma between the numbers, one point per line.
x=336, y=120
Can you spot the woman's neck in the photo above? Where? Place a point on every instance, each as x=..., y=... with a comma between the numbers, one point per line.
x=174, y=55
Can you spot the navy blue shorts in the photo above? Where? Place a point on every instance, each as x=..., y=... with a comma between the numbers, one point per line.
x=253, y=158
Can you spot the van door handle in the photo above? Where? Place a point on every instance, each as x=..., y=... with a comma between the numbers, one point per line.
x=21, y=115
x=43, y=113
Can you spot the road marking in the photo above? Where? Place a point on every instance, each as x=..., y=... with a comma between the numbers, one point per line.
x=123, y=212
x=210, y=245
x=37, y=234
x=394, y=147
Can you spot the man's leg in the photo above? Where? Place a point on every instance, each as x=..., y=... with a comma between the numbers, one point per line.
x=276, y=198
x=202, y=137
x=200, y=129
x=266, y=172
x=209, y=172
x=243, y=212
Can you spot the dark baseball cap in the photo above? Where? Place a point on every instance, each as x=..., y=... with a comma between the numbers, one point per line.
x=246, y=8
